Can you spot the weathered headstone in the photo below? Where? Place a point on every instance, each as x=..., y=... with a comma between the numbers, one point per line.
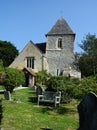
x=7, y=95
x=34, y=87
x=39, y=90
x=88, y=112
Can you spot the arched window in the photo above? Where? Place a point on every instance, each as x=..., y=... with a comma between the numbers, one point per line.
x=60, y=43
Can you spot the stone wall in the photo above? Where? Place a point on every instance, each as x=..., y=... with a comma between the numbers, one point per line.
x=59, y=58
x=30, y=50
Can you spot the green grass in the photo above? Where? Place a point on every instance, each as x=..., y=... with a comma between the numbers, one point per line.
x=27, y=115
x=1, y=87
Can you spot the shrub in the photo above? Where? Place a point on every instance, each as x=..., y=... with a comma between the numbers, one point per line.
x=58, y=83
x=42, y=77
x=86, y=85
x=72, y=88
x=78, y=88
x=2, y=73
x=13, y=78
x=55, y=83
x=2, y=76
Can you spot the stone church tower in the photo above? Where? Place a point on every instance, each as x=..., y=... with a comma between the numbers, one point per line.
x=60, y=48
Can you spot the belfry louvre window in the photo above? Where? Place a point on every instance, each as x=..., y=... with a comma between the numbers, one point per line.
x=30, y=62
x=60, y=43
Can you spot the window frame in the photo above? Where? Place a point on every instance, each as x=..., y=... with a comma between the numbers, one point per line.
x=60, y=42
x=30, y=62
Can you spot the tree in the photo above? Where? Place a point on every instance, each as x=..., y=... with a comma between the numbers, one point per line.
x=88, y=60
x=8, y=52
x=86, y=65
x=13, y=78
x=88, y=44
x=76, y=61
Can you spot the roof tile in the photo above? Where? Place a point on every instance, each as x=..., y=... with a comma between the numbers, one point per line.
x=60, y=27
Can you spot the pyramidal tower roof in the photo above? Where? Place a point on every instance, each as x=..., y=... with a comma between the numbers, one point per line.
x=60, y=27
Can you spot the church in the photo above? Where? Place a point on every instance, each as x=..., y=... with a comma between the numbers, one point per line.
x=56, y=55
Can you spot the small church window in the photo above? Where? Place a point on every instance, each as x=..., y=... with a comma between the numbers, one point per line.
x=60, y=43
x=30, y=62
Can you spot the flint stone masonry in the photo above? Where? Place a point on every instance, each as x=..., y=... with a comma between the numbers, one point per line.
x=59, y=58
x=29, y=51
x=88, y=112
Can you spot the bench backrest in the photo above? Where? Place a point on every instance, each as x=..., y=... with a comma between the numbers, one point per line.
x=49, y=95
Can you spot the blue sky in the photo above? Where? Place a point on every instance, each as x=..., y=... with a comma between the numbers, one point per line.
x=25, y=20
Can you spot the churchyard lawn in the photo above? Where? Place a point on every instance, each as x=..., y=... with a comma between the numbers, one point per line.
x=23, y=113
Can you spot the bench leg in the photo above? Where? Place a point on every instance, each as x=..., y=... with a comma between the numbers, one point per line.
x=38, y=103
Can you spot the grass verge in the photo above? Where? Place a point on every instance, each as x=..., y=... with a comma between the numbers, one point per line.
x=23, y=113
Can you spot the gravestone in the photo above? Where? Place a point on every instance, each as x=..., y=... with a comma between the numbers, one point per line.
x=39, y=91
x=7, y=95
x=88, y=112
x=34, y=88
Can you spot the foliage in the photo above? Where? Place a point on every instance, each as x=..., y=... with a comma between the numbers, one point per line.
x=42, y=77
x=2, y=76
x=86, y=85
x=56, y=83
x=13, y=78
x=8, y=52
x=1, y=65
x=78, y=88
x=72, y=88
x=86, y=65
x=2, y=73
x=88, y=43
x=88, y=59
x=59, y=83
x=76, y=61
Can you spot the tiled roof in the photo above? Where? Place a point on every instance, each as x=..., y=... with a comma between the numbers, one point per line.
x=41, y=46
x=30, y=70
x=60, y=27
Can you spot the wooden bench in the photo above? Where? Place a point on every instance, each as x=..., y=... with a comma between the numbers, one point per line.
x=50, y=97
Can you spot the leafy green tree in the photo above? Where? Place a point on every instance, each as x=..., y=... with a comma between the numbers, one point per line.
x=8, y=52
x=13, y=78
x=88, y=44
x=76, y=61
x=86, y=65
x=88, y=60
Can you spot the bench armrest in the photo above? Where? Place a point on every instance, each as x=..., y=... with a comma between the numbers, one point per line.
x=40, y=96
x=57, y=100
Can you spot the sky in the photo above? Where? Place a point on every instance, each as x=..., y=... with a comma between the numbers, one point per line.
x=25, y=20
